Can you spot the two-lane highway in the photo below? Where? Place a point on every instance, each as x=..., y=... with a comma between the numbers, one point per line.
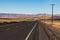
x=15, y=31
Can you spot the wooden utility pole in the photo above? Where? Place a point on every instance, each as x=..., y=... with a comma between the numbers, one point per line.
x=52, y=12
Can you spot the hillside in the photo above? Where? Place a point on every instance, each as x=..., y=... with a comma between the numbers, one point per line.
x=27, y=16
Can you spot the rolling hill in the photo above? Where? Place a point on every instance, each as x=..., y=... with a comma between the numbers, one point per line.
x=27, y=16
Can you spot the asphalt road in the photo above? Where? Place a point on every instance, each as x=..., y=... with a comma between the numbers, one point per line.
x=19, y=31
x=15, y=31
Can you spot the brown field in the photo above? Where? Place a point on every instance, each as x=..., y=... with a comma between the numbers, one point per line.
x=3, y=20
x=55, y=23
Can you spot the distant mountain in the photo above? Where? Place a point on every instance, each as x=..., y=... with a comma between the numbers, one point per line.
x=48, y=16
x=56, y=17
x=4, y=15
x=15, y=16
x=27, y=16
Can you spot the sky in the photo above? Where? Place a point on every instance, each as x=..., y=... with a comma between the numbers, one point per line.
x=29, y=6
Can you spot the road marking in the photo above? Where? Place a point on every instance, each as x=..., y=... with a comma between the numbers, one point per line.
x=31, y=31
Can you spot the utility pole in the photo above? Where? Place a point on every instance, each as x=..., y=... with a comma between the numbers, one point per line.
x=52, y=13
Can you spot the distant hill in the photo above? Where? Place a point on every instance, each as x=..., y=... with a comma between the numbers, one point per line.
x=15, y=16
x=4, y=15
x=26, y=16
x=56, y=17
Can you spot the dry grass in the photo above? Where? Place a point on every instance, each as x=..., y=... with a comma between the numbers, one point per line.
x=2, y=21
x=55, y=23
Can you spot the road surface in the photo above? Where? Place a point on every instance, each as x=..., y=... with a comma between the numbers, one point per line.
x=15, y=31
x=19, y=31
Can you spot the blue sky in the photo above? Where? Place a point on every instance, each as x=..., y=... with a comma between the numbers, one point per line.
x=29, y=6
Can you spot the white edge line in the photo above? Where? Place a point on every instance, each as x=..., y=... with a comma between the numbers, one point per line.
x=30, y=32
